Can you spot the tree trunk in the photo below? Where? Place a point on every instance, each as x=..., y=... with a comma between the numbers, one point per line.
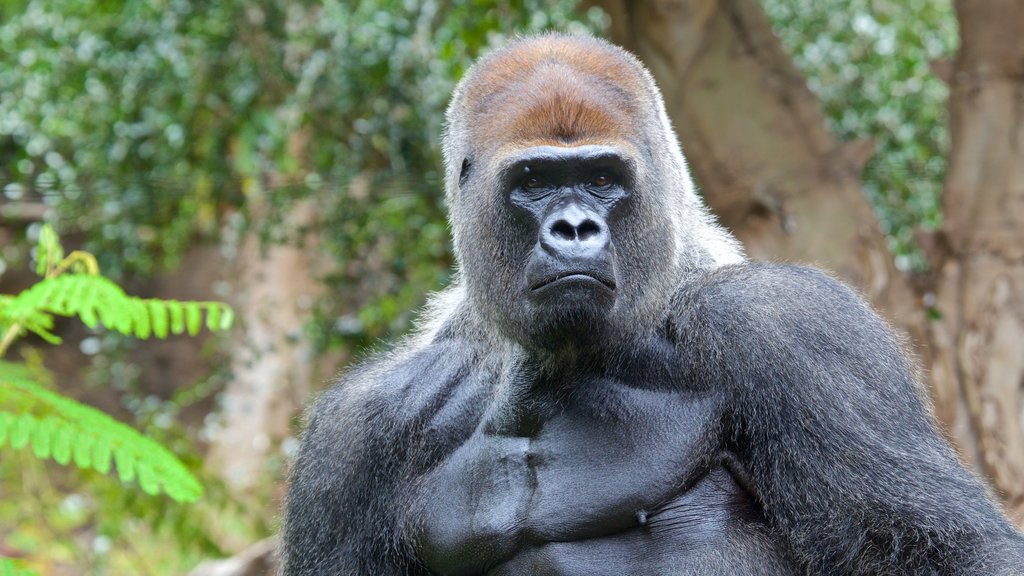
x=758, y=144
x=273, y=366
x=978, y=367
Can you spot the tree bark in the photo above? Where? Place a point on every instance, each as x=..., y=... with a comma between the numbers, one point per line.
x=758, y=144
x=978, y=368
x=273, y=366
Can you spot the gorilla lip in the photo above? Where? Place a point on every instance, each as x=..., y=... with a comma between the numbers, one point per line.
x=567, y=277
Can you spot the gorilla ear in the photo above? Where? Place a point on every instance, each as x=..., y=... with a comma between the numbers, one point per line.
x=464, y=173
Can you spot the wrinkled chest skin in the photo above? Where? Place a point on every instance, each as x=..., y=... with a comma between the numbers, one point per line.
x=615, y=479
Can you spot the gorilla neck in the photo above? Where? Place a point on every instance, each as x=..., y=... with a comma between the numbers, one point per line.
x=592, y=346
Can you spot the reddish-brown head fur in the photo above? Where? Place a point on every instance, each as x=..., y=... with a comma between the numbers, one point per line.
x=556, y=90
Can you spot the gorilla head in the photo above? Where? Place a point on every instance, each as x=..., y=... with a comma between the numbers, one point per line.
x=573, y=213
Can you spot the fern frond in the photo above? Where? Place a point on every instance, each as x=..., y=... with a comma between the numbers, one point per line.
x=68, y=431
x=97, y=300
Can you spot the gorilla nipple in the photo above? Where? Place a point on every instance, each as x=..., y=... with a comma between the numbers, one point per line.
x=641, y=517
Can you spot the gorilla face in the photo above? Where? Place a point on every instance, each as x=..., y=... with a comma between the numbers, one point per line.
x=568, y=201
x=562, y=237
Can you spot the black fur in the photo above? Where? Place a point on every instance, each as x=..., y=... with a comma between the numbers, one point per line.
x=648, y=403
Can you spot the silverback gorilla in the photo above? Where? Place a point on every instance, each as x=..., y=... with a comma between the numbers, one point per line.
x=611, y=388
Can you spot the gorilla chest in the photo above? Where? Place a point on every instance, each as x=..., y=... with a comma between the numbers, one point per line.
x=622, y=473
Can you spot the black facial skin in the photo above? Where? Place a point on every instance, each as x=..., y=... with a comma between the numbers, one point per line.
x=567, y=198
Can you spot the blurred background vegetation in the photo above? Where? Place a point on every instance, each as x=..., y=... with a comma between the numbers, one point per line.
x=166, y=136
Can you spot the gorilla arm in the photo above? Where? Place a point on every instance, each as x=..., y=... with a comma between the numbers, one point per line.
x=333, y=515
x=365, y=439
x=827, y=420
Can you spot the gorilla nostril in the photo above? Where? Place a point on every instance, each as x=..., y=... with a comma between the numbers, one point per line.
x=588, y=229
x=563, y=230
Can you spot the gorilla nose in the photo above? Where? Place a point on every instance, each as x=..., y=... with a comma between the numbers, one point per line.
x=574, y=231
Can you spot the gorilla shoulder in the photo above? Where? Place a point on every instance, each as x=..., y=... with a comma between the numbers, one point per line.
x=389, y=389
x=790, y=316
x=777, y=300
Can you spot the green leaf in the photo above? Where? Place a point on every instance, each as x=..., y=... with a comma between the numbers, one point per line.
x=140, y=314
x=148, y=480
x=193, y=317
x=22, y=430
x=83, y=448
x=41, y=439
x=177, y=316
x=213, y=318
x=158, y=313
x=227, y=318
x=101, y=455
x=125, y=464
x=61, y=443
x=86, y=303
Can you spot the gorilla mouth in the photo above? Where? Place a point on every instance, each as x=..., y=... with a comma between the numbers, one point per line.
x=573, y=278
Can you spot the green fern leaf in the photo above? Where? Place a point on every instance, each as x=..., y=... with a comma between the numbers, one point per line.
x=21, y=431
x=125, y=464
x=83, y=446
x=62, y=300
x=227, y=317
x=177, y=316
x=42, y=328
x=61, y=443
x=41, y=439
x=213, y=317
x=193, y=317
x=158, y=312
x=107, y=298
x=86, y=301
x=59, y=427
x=148, y=480
x=140, y=315
x=102, y=453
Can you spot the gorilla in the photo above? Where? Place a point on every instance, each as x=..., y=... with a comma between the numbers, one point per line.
x=610, y=387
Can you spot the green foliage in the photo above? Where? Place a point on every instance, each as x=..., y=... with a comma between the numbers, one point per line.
x=65, y=430
x=97, y=300
x=70, y=432
x=869, y=63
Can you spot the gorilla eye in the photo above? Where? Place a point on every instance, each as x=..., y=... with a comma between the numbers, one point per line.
x=533, y=183
x=600, y=180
